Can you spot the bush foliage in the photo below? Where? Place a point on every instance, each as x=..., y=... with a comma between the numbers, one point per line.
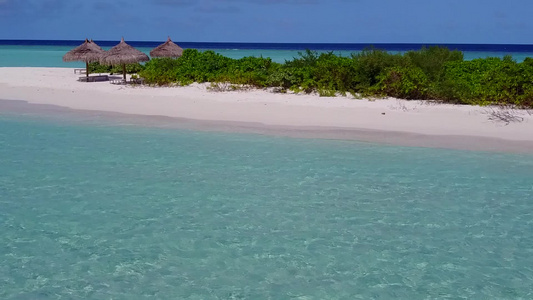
x=130, y=68
x=433, y=73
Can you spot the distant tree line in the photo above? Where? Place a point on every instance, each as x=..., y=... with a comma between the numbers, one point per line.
x=434, y=73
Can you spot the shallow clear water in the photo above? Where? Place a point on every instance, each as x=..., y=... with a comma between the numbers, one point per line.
x=52, y=56
x=96, y=211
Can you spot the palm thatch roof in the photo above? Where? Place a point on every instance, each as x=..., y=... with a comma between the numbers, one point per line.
x=123, y=54
x=87, y=52
x=167, y=49
x=91, y=40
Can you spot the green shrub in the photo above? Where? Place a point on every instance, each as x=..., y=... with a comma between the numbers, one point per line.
x=432, y=60
x=405, y=82
x=282, y=78
x=96, y=67
x=253, y=71
x=488, y=81
x=430, y=73
x=160, y=71
x=369, y=65
x=463, y=81
x=130, y=68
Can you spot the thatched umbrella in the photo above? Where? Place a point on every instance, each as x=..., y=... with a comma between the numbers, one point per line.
x=88, y=52
x=167, y=49
x=123, y=54
x=91, y=40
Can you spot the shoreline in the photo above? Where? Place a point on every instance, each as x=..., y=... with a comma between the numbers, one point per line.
x=382, y=121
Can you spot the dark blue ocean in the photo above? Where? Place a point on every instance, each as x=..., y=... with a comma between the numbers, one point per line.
x=507, y=48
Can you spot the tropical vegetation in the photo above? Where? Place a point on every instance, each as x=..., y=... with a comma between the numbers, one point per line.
x=434, y=73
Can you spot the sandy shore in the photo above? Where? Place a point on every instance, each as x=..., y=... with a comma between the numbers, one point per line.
x=391, y=121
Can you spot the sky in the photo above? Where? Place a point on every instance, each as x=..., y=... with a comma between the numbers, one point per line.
x=271, y=21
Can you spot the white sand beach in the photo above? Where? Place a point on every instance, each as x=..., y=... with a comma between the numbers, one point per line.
x=391, y=121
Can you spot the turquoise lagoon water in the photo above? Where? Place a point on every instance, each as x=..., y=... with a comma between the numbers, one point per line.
x=96, y=210
x=51, y=56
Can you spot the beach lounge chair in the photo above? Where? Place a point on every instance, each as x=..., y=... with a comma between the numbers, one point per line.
x=101, y=78
x=137, y=80
x=118, y=81
x=93, y=78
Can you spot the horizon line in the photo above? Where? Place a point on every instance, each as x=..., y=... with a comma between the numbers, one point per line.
x=295, y=43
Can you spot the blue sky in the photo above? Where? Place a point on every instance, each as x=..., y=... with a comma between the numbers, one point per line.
x=314, y=21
